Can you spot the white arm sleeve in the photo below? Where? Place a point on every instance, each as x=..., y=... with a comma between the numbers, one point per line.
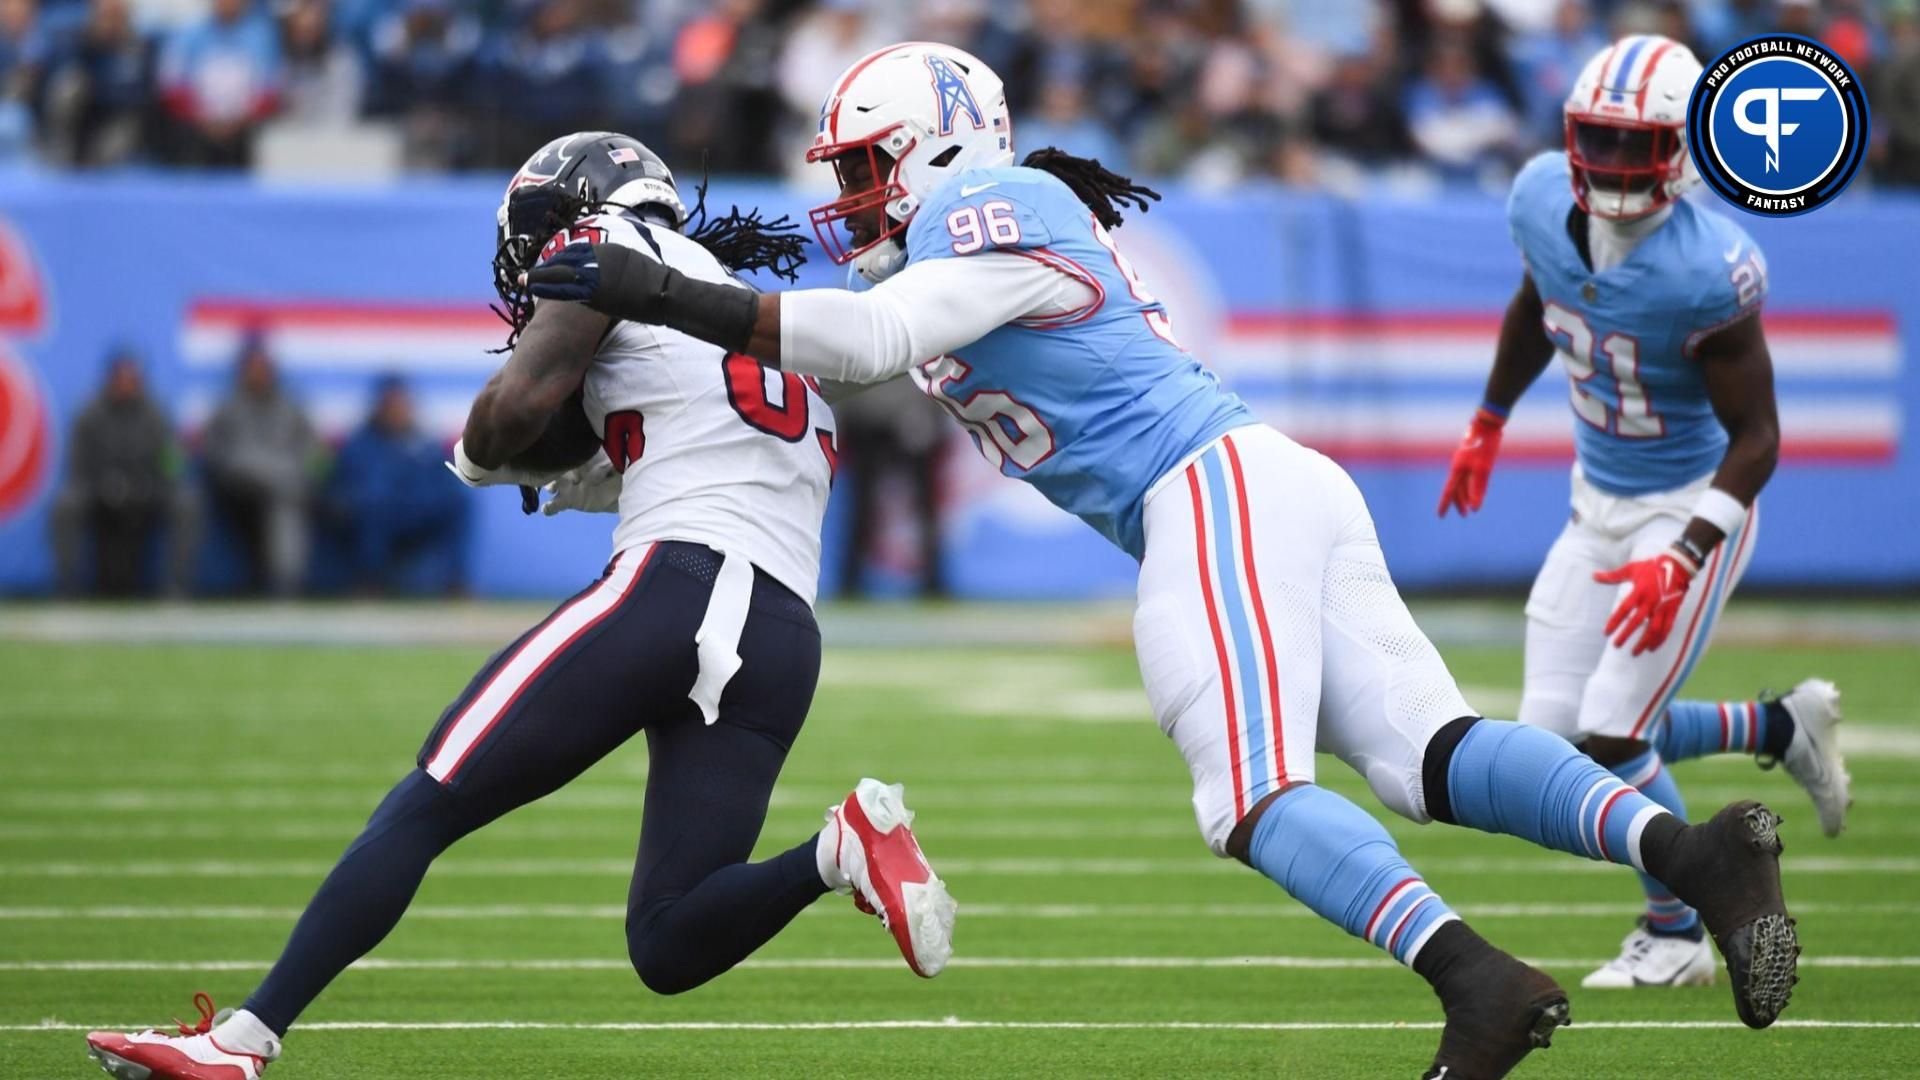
x=924, y=311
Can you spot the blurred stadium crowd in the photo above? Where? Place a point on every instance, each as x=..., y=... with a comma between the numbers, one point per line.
x=1313, y=92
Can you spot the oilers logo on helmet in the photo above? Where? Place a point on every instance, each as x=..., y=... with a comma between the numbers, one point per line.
x=954, y=95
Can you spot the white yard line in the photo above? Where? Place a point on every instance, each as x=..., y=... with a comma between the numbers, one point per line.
x=954, y=1023
x=1544, y=864
x=970, y=910
x=834, y=963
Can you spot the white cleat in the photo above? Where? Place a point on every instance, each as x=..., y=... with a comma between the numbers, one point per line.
x=1813, y=757
x=1650, y=959
x=193, y=1054
x=877, y=859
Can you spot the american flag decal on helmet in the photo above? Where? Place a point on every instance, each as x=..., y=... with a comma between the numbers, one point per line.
x=623, y=155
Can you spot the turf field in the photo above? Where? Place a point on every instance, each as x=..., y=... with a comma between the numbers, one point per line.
x=168, y=808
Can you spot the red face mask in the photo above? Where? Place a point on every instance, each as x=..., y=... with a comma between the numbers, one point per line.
x=857, y=221
x=1611, y=159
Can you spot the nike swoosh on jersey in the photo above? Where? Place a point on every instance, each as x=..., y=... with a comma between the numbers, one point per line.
x=968, y=191
x=1732, y=252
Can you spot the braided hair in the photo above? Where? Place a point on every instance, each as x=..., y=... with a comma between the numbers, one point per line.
x=742, y=242
x=1104, y=191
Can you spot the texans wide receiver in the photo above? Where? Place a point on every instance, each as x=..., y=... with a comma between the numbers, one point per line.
x=1652, y=303
x=1267, y=623
x=700, y=633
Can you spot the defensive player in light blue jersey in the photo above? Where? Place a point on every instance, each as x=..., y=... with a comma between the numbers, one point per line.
x=1652, y=304
x=1267, y=624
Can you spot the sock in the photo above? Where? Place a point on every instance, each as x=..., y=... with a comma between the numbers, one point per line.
x=361, y=900
x=1518, y=780
x=826, y=857
x=1698, y=728
x=679, y=942
x=1333, y=857
x=1666, y=914
x=245, y=1033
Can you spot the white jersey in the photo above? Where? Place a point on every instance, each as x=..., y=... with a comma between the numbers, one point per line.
x=721, y=451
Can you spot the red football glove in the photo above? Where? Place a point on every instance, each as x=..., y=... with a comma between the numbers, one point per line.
x=1659, y=584
x=1472, y=464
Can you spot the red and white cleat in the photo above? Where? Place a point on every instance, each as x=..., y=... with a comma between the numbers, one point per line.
x=191, y=1055
x=875, y=857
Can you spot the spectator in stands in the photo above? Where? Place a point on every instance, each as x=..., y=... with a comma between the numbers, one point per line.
x=1064, y=121
x=392, y=498
x=1458, y=119
x=260, y=451
x=1894, y=92
x=547, y=78
x=23, y=57
x=822, y=44
x=1356, y=117
x=1547, y=61
x=324, y=79
x=892, y=430
x=219, y=78
x=729, y=106
x=122, y=489
x=100, y=90
x=425, y=58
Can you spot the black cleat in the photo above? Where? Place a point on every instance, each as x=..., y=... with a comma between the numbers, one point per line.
x=1729, y=870
x=1499, y=1010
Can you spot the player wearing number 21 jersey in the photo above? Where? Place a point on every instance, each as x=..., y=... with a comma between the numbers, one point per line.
x=1267, y=624
x=1652, y=304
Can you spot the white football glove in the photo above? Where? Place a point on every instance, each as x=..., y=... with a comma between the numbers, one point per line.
x=593, y=488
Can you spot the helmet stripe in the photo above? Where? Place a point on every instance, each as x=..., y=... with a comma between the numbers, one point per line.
x=1622, y=76
x=839, y=88
x=1601, y=82
x=1653, y=65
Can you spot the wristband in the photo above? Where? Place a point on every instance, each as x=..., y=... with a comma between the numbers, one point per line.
x=1721, y=510
x=1493, y=414
x=1691, y=552
x=635, y=287
x=463, y=467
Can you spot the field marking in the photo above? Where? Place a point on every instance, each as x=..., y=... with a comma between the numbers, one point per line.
x=838, y=963
x=954, y=1023
x=970, y=909
x=1544, y=864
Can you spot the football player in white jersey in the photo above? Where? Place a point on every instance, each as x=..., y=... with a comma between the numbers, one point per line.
x=700, y=634
x=1267, y=625
x=1653, y=305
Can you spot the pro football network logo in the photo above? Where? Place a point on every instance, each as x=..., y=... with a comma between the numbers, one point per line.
x=1778, y=125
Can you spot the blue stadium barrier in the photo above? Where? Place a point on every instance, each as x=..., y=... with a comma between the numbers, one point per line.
x=1361, y=327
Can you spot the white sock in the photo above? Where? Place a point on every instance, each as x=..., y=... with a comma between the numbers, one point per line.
x=245, y=1033
x=826, y=856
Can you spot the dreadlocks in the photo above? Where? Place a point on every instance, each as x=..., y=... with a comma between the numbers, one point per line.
x=745, y=242
x=1100, y=188
x=742, y=242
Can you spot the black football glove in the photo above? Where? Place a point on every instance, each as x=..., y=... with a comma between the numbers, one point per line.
x=615, y=280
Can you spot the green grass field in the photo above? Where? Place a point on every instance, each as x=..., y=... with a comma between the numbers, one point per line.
x=168, y=809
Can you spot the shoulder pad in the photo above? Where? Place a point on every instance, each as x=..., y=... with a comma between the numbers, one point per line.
x=983, y=209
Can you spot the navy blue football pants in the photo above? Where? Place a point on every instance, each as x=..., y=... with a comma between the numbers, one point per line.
x=616, y=659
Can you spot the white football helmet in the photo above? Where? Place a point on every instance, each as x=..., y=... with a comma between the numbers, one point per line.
x=921, y=112
x=1627, y=127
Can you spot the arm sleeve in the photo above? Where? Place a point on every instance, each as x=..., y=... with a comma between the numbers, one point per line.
x=928, y=309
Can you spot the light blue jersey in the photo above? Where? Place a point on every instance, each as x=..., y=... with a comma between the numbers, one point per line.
x=1643, y=422
x=1089, y=406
